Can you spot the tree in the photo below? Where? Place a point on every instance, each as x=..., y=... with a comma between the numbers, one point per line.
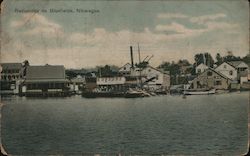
x=173, y=68
x=107, y=70
x=71, y=74
x=246, y=59
x=219, y=59
x=205, y=58
x=183, y=62
x=230, y=57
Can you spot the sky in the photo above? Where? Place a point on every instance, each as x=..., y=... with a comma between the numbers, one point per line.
x=168, y=30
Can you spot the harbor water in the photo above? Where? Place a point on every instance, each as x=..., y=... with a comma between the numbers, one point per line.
x=195, y=125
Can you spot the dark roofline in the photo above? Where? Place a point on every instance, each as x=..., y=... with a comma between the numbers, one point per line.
x=226, y=63
x=213, y=71
x=158, y=70
x=236, y=61
x=124, y=65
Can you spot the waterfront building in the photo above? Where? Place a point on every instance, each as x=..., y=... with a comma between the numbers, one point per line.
x=152, y=78
x=48, y=80
x=125, y=70
x=11, y=75
x=77, y=84
x=201, y=68
x=11, y=71
x=235, y=70
x=110, y=84
x=209, y=79
x=227, y=70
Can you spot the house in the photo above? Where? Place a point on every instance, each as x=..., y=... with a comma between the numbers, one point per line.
x=77, y=84
x=242, y=70
x=48, y=80
x=152, y=78
x=11, y=75
x=125, y=70
x=209, y=79
x=201, y=68
x=11, y=71
x=235, y=70
x=227, y=70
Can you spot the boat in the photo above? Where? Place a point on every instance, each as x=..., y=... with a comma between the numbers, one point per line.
x=199, y=92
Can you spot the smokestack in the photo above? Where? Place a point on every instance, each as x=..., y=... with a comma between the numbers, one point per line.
x=131, y=54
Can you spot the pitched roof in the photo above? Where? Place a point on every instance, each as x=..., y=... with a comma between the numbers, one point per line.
x=124, y=66
x=45, y=72
x=235, y=63
x=11, y=65
x=215, y=72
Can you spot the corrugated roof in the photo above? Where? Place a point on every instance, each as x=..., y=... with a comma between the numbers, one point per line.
x=45, y=72
x=11, y=65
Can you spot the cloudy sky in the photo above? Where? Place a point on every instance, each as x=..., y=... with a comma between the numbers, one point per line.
x=169, y=30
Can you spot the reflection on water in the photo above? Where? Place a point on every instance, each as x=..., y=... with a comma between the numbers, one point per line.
x=197, y=125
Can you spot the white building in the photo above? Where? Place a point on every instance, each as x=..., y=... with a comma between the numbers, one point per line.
x=201, y=68
x=152, y=78
x=126, y=69
x=108, y=84
x=228, y=70
x=235, y=70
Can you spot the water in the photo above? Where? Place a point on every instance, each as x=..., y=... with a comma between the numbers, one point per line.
x=197, y=125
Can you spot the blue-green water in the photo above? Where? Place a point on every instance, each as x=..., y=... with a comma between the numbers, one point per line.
x=197, y=125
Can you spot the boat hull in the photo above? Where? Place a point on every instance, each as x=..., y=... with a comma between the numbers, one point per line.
x=199, y=92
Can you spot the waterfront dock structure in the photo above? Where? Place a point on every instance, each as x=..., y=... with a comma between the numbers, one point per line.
x=48, y=80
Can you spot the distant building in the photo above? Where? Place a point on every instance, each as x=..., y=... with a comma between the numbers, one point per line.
x=11, y=71
x=235, y=70
x=201, y=68
x=211, y=79
x=125, y=70
x=227, y=70
x=77, y=84
x=45, y=80
x=109, y=84
x=11, y=75
x=152, y=78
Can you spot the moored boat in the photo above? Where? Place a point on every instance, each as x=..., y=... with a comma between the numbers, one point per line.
x=199, y=92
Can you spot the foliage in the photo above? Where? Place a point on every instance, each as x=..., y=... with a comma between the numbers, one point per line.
x=173, y=68
x=199, y=58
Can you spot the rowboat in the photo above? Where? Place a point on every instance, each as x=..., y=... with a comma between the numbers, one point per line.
x=199, y=92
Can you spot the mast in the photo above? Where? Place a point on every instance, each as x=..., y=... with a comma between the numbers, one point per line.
x=139, y=56
x=139, y=53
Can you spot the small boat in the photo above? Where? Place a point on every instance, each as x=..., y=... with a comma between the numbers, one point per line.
x=133, y=94
x=198, y=92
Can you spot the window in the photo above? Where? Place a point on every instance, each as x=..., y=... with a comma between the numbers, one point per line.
x=124, y=68
x=149, y=70
x=209, y=73
x=156, y=77
x=217, y=83
x=225, y=66
x=230, y=72
x=199, y=71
